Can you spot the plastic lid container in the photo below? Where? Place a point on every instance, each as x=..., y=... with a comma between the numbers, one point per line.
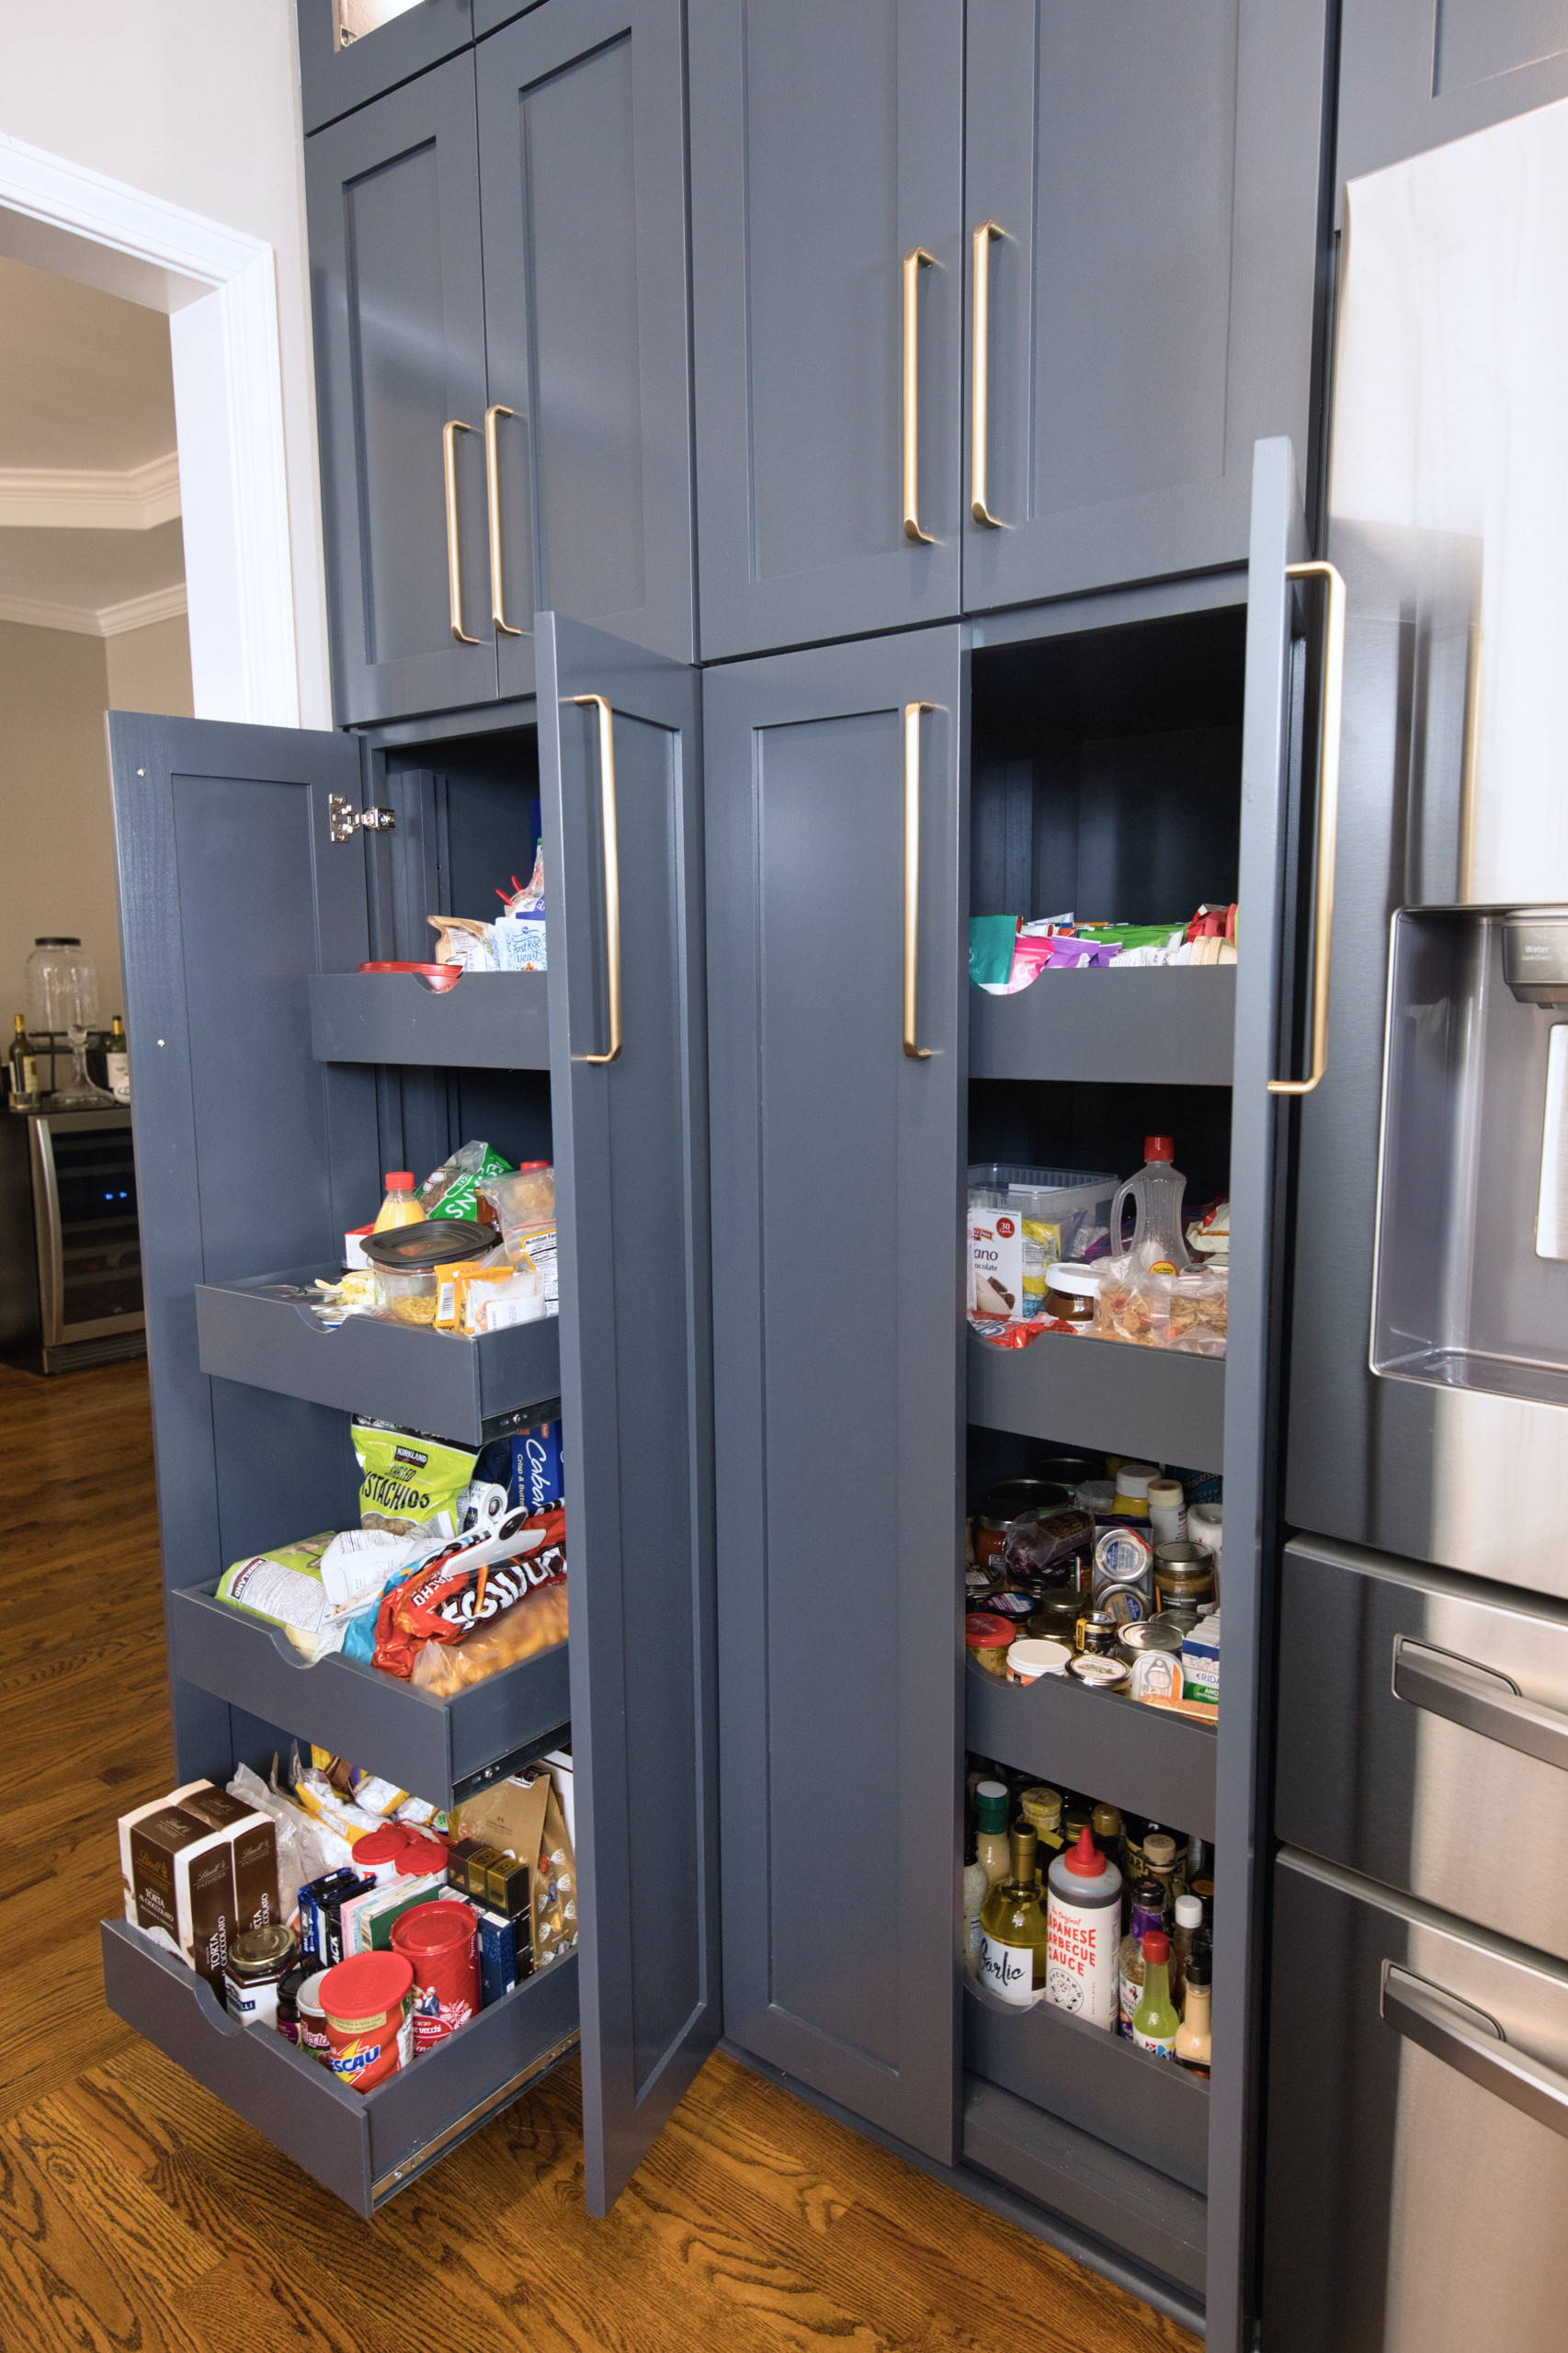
x=421, y=1857
x=1029, y=1659
x=1079, y=1281
x=436, y=1241
x=985, y=1632
x=1132, y=1479
x=308, y=1997
x=379, y=1847
x=367, y=1986
x=438, y=1927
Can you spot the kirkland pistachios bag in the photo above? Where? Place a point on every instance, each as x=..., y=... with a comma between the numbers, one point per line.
x=409, y=1483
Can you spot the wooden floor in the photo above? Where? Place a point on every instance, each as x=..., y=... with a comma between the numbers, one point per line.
x=136, y=2213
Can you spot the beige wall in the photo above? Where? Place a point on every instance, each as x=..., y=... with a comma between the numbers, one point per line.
x=197, y=101
x=149, y=669
x=56, y=839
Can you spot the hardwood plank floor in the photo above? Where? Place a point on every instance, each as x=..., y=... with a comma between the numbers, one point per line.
x=137, y=2213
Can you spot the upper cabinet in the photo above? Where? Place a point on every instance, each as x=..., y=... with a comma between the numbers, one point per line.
x=1062, y=394
x=351, y=51
x=1142, y=204
x=827, y=195
x=1415, y=73
x=504, y=404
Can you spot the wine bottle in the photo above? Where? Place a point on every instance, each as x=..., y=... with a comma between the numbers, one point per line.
x=1013, y=1930
x=26, y=1086
x=116, y=1058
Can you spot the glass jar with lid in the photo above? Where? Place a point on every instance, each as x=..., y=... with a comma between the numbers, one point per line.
x=61, y=988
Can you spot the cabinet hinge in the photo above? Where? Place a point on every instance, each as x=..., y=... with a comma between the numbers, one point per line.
x=344, y=820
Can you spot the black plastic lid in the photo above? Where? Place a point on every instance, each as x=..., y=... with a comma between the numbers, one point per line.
x=432, y=1242
x=62, y=942
x=1199, y=1966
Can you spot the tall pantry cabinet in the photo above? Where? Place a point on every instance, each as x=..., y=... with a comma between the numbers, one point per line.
x=944, y=337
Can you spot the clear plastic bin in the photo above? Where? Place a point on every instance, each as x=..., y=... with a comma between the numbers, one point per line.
x=1063, y=1213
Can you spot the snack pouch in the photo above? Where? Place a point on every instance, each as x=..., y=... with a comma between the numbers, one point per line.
x=452, y=1190
x=467, y=1583
x=285, y=1588
x=409, y=1483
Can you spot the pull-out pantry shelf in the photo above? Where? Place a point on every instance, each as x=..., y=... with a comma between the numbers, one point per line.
x=441, y=1750
x=487, y=1022
x=1147, y=1759
x=1104, y=1394
x=263, y=1331
x=1162, y=1027
x=363, y=2146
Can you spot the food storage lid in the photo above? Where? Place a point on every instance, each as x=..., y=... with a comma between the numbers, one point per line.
x=1077, y=1281
x=1032, y=1657
x=438, y=1927
x=1132, y=1478
x=436, y=1241
x=983, y=1631
x=991, y=1805
x=421, y=1857
x=307, y=1998
x=380, y=1846
x=1188, y=1912
x=365, y=1985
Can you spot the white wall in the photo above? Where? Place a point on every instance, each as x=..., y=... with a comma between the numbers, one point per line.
x=196, y=101
x=149, y=669
x=57, y=866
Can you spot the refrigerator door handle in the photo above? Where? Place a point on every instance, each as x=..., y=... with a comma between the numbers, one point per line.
x=1479, y=1698
x=1471, y=2043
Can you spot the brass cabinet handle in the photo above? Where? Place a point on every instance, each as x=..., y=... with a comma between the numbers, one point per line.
x=914, y=261
x=1328, y=818
x=979, y=379
x=449, y=431
x=912, y=712
x=492, y=497
x=612, y=871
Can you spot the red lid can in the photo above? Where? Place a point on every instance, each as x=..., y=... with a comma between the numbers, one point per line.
x=367, y=2005
x=984, y=1631
x=419, y=1857
x=440, y=1941
x=379, y=1847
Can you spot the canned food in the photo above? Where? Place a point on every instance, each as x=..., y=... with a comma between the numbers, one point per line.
x=367, y=2003
x=1183, y=1575
x=441, y=1941
x=1100, y=1674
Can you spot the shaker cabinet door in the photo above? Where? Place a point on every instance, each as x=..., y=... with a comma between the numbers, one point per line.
x=1140, y=259
x=399, y=305
x=621, y=787
x=826, y=148
x=837, y=1166
x=582, y=153
x=352, y=50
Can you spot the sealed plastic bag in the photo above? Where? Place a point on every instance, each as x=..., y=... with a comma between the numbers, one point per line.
x=470, y=1581
x=536, y=1623
x=410, y=1485
x=1186, y=1312
x=452, y=1190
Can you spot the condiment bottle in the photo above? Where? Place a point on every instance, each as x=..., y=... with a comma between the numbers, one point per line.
x=1148, y=1912
x=1167, y=1511
x=976, y=1887
x=1041, y=1808
x=1189, y=1927
x=1134, y=1481
x=1193, y=2040
x=1013, y=1928
x=1083, y=1917
x=992, y=1850
x=401, y=1206
x=1155, y=2024
x=1156, y=1191
x=1159, y=1861
x=1105, y=1823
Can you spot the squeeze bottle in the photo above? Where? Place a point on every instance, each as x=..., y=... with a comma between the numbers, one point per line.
x=1083, y=1916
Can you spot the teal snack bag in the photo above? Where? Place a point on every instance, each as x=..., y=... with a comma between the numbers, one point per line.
x=990, y=939
x=409, y=1483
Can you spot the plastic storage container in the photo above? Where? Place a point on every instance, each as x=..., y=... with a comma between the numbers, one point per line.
x=1041, y=1215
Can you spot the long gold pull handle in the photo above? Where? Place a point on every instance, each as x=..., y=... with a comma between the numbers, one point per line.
x=980, y=382
x=449, y=431
x=493, y=496
x=914, y=261
x=912, y=712
x=1328, y=819
x=612, y=871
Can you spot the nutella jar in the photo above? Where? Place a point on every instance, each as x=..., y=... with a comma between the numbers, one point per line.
x=1071, y=1294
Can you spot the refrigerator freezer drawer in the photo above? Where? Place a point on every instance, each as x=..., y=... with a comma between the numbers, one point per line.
x=1423, y=1730
x=1417, y=2152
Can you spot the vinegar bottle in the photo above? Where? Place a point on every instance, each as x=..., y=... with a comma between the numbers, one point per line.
x=1157, y=1194
x=991, y=1849
x=401, y=1206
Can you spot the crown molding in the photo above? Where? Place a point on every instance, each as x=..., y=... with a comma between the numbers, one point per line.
x=107, y=620
x=64, y=498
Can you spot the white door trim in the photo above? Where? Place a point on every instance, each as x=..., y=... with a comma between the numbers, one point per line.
x=218, y=286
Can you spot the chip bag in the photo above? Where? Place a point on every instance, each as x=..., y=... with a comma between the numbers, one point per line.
x=467, y=1583
x=452, y=1190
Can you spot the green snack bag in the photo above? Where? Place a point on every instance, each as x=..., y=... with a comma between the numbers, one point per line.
x=452, y=1190
x=990, y=939
x=409, y=1483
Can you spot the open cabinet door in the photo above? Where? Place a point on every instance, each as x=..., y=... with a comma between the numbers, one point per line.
x=251, y=1156
x=620, y=788
x=1272, y=898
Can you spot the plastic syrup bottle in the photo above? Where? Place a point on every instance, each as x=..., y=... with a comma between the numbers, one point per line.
x=1084, y=1921
x=401, y=1206
x=1193, y=2039
x=1155, y=2024
x=1013, y=1928
x=990, y=1844
x=1156, y=1195
x=1148, y=1912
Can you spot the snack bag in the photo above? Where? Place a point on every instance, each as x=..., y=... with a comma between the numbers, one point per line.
x=409, y=1483
x=468, y=1581
x=285, y=1588
x=452, y=1190
x=536, y=1623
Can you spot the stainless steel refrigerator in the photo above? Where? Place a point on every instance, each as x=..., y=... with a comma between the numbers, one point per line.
x=1416, y=2175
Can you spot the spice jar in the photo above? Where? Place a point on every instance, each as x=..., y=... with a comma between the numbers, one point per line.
x=256, y=1966
x=1183, y=1575
x=1055, y=1618
x=1071, y=1294
x=1134, y=1481
x=1098, y=1635
x=989, y=1640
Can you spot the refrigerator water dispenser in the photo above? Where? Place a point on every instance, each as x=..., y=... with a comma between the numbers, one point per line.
x=1470, y=1281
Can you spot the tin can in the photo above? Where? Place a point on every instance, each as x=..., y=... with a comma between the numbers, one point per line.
x=440, y=1942
x=367, y=2003
x=311, y=2021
